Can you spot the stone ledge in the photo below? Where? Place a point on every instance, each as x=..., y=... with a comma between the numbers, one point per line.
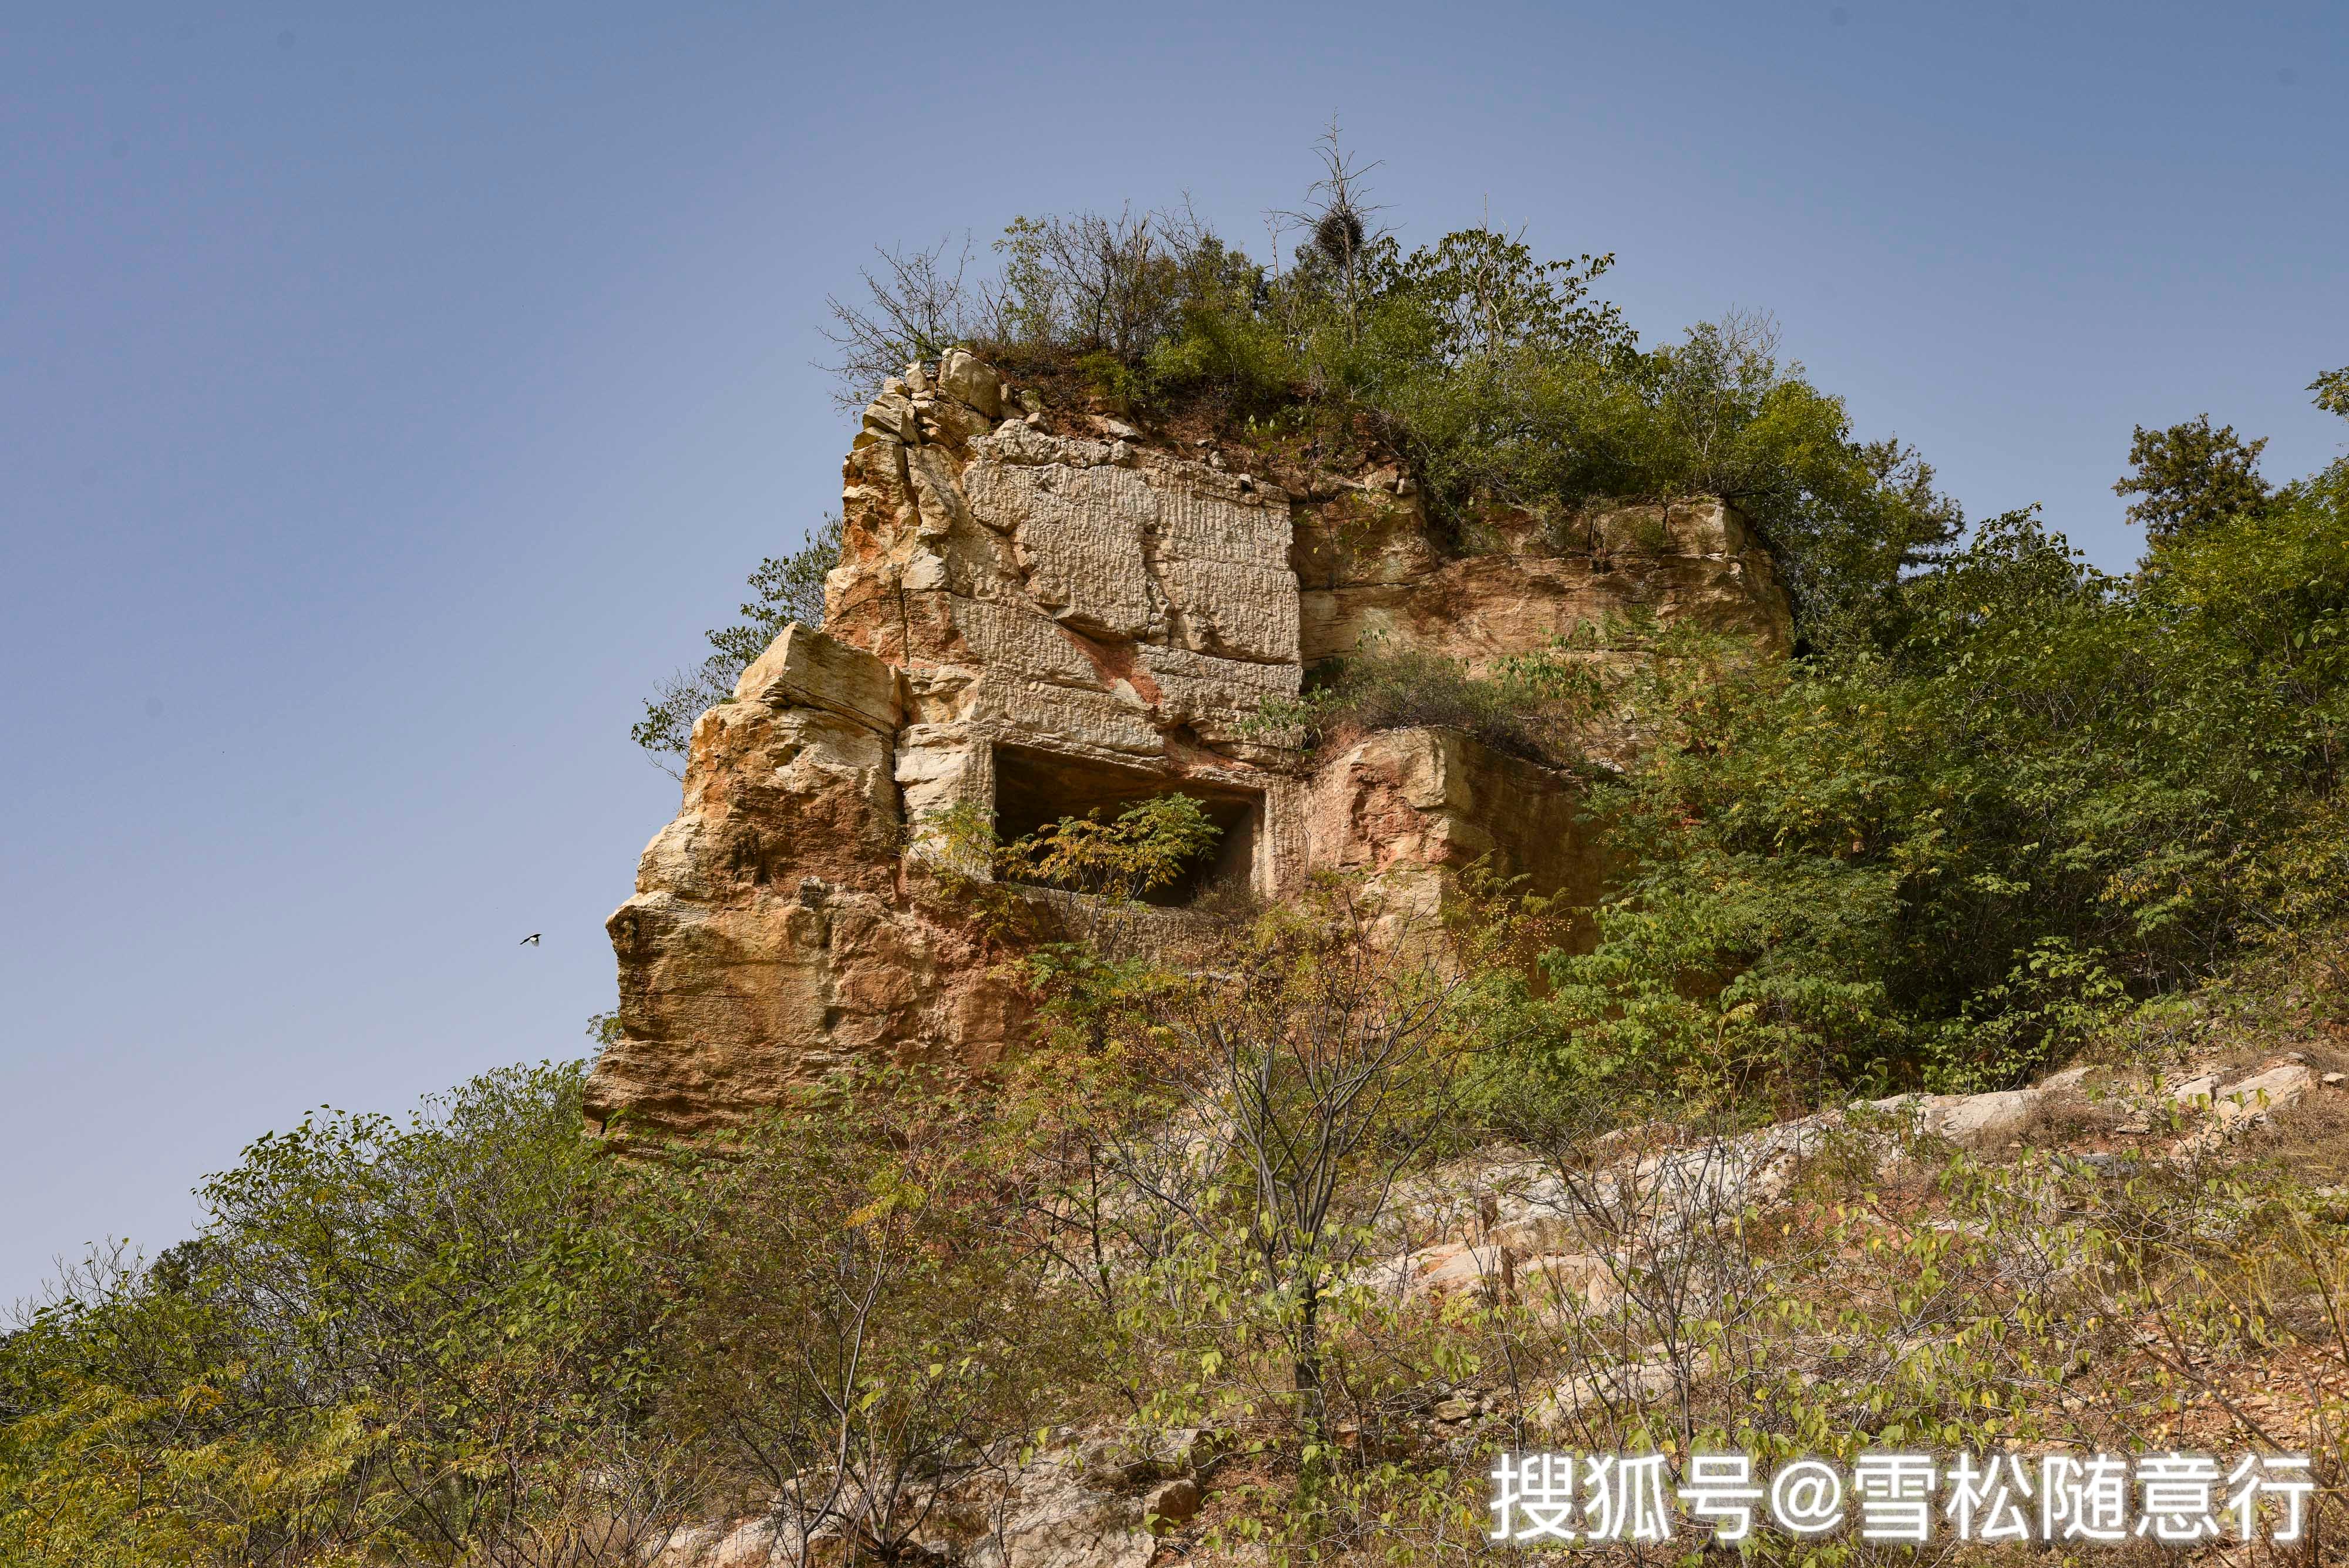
x=803, y=668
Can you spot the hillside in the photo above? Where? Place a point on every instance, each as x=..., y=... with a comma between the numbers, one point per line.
x=1364, y=879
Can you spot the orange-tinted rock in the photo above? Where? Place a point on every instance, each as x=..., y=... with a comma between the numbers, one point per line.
x=1031, y=623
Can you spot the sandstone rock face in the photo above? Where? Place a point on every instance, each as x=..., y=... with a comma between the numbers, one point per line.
x=767, y=941
x=1369, y=569
x=1408, y=805
x=1031, y=622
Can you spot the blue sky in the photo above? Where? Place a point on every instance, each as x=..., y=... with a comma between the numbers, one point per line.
x=388, y=396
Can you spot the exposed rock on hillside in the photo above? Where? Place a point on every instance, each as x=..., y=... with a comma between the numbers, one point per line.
x=1038, y=621
x=1603, y=1248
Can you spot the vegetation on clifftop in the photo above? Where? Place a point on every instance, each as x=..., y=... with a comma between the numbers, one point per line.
x=1496, y=376
x=1493, y=373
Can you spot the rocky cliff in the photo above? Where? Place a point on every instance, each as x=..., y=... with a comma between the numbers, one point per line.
x=1039, y=612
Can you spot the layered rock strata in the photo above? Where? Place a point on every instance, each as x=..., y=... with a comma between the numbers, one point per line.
x=1035, y=617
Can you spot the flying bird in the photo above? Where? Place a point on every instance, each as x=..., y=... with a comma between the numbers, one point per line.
x=529, y=941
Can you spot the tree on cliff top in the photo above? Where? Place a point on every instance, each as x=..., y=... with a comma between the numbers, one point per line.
x=2332, y=389
x=1496, y=373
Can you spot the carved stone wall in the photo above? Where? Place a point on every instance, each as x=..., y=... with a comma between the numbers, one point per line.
x=1092, y=614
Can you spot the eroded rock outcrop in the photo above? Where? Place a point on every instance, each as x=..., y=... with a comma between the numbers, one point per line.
x=1035, y=617
x=1099, y=1499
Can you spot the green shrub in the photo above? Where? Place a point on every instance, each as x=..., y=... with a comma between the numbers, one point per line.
x=1950, y=847
x=385, y=1342
x=844, y=1340
x=1530, y=708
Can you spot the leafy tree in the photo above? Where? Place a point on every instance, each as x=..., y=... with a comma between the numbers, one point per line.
x=845, y=1340
x=1950, y=850
x=1101, y=285
x=1318, y=1054
x=1845, y=517
x=1483, y=294
x=2332, y=389
x=2191, y=477
x=786, y=588
x=387, y=1342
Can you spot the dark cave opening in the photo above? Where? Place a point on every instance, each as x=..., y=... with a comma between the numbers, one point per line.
x=1033, y=788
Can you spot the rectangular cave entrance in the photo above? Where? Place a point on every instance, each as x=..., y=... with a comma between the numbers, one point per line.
x=1033, y=788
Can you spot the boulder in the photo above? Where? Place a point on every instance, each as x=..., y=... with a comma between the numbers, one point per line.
x=803, y=668
x=964, y=378
x=1058, y=1517
x=1171, y=1503
x=1970, y=1121
x=891, y=415
x=2193, y=1091
x=2267, y=1091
